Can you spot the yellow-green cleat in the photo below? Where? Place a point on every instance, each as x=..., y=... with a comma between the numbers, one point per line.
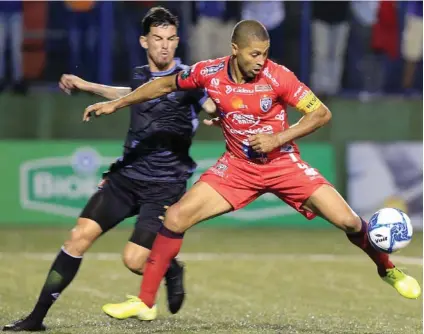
x=132, y=308
x=407, y=286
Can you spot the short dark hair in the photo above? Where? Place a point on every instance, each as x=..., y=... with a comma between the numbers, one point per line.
x=158, y=16
x=246, y=30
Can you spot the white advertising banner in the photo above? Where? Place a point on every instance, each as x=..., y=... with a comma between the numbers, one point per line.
x=386, y=175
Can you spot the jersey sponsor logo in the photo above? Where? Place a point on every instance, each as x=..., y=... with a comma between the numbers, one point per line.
x=264, y=129
x=185, y=74
x=219, y=169
x=215, y=82
x=239, y=90
x=209, y=70
x=266, y=103
x=304, y=93
x=270, y=77
x=297, y=92
x=243, y=119
x=263, y=88
x=237, y=103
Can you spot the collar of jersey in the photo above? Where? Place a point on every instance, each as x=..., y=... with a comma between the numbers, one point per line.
x=162, y=73
x=231, y=77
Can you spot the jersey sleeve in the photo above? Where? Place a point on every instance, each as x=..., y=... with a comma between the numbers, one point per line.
x=191, y=78
x=294, y=92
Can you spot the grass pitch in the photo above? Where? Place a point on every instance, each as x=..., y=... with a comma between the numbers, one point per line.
x=238, y=281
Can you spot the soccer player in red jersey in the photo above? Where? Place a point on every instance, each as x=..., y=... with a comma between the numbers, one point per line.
x=252, y=94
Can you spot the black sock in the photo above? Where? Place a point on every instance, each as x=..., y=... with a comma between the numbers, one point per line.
x=62, y=272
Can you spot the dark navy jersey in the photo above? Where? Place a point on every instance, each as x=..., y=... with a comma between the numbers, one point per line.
x=160, y=133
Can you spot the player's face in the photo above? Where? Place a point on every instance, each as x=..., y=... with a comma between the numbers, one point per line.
x=252, y=57
x=160, y=44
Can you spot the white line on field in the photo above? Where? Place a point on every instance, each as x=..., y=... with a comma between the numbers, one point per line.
x=227, y=257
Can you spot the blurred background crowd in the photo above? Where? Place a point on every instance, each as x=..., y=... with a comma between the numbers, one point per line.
x=368, y=48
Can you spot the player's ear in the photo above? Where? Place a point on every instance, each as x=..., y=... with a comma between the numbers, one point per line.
x=178, y=40
x=143, y=42
x=234, y=49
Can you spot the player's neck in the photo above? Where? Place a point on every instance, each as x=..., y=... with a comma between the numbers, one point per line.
x=154, y=68
x=235, y=72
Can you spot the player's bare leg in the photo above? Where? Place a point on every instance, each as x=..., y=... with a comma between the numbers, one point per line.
x=61, y=274
x=200, y=203
x=329, y=204
x=135, y=257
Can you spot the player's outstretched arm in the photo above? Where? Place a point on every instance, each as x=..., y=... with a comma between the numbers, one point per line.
x=146, y=92
x=68, y=82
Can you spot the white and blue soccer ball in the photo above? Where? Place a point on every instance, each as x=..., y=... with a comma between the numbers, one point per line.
x=389, y=230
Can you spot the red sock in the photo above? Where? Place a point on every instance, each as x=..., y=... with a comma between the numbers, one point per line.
x=165, y=248
x=360, y=239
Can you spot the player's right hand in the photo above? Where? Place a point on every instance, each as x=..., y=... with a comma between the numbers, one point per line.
x=68, y=82
x=98, y=109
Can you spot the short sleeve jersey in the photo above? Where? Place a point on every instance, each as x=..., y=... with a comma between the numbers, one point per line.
x=258, y=106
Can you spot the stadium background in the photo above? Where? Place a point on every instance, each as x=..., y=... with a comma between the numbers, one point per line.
x=51, y=162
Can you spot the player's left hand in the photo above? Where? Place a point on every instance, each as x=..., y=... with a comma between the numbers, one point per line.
x=263, y=142
x=216, y=121
x=102, y=108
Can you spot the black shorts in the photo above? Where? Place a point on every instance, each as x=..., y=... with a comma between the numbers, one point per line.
x=121, y=197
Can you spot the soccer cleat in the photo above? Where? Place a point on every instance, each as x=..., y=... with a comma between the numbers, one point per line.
x=406, y=285
x=133, y=307
x=25, y=325
x=174, y=280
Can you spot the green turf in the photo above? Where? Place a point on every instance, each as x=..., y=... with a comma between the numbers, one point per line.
x=257, y=281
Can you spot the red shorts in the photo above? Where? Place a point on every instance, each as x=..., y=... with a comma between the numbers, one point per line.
x=240, y=181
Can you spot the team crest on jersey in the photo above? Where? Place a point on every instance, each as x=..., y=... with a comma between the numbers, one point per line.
x=266, y=103
x=208, y=70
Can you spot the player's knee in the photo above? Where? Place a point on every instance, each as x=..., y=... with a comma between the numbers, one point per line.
x=135, y=257
x=80, y=239
x=350, y=223
x=133, y=263
x=177, y=219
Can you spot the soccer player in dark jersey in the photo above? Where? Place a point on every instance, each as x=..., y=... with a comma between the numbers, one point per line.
x=252, y=94
x=151, y=174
